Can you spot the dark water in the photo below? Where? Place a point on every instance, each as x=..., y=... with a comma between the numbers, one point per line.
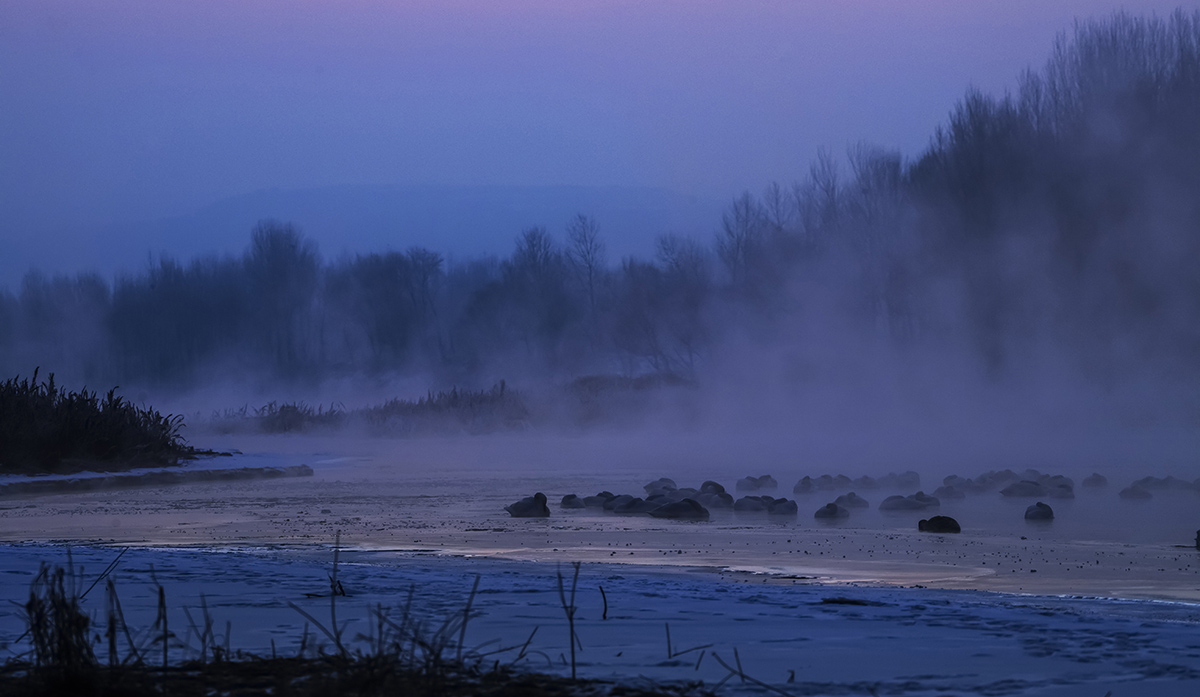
x=894, y=641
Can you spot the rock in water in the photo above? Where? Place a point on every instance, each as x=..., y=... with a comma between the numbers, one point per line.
x=1039, y=511
x=939, y=523
x=781, y=507
x=749, y=503
x=900, y=503
x=1023, y=489
x=831, y=511
x=687, y=509
x=851, y=500
x=1135, y=492
x=529, y=507
x=572, y=501
x=766, y=481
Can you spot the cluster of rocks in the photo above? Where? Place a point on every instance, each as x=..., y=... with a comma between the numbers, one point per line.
x=764, y=483
x=826, y=482
x=665, y=499
x=1142, y=489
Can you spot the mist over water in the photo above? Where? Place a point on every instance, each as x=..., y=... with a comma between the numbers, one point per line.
x=1022, y=294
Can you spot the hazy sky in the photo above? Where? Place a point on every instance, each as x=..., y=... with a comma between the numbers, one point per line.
x=116, y=110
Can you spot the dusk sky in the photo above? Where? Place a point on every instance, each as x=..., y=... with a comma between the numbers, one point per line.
x=129, y=110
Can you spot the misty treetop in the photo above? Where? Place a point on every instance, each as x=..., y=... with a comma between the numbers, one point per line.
x=1065, y=214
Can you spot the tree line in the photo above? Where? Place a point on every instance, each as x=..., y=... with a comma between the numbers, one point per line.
x=1064, y=214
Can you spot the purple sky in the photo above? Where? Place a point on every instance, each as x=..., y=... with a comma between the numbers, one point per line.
x=134, y=109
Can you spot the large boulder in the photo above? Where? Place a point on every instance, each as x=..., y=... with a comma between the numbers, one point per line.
x=955, y=481
x=750, y=504
x=721, y=500
x=831, y=511
x=621, y=500
x=1024, y=489
x=939, y=523
x=598, y=500
x=764, y=482
x=1039, y=511
x=660, y=485
x=806, y=485
x=529, y=507
x=851, y=500
x=900, y=503
x=711, y=487
x=949, y=491
x=572, y=501
x=782, y=507
x=687, y=509
x=636, y=506
x=1135, y=493
x=926, y=500
x=907, y=480
x=866, y=483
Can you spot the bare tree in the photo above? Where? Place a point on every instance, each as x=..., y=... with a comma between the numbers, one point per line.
x=740, y=239
x=586, y=255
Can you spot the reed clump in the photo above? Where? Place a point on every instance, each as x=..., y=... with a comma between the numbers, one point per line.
x=45, y=428
x=474, y=411
x=73, y=654
x=450, y=411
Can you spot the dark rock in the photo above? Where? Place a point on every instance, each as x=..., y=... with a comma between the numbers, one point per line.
x=851, y=500
x=615, y=501
x=572, y=501
x=721, y=500
x=805, y=486
x=841, y=481
x=529, y=507
x=926, y=500
x=782, y=507
x=662, y=484
x=939, y=523
x=1039, y=511
x=637, y=506
x=955, y=481
x=687, y=509
x=598, y=500
x=900, y=503
x=1024, y=489
x=866, y=483
x=831, y=511
x=711, y=487
x=766, y=481
x=824, y=483
x=1135, y=493
x=749, y=504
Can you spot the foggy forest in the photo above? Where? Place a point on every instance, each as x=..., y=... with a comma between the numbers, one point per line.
x=1060, y=222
